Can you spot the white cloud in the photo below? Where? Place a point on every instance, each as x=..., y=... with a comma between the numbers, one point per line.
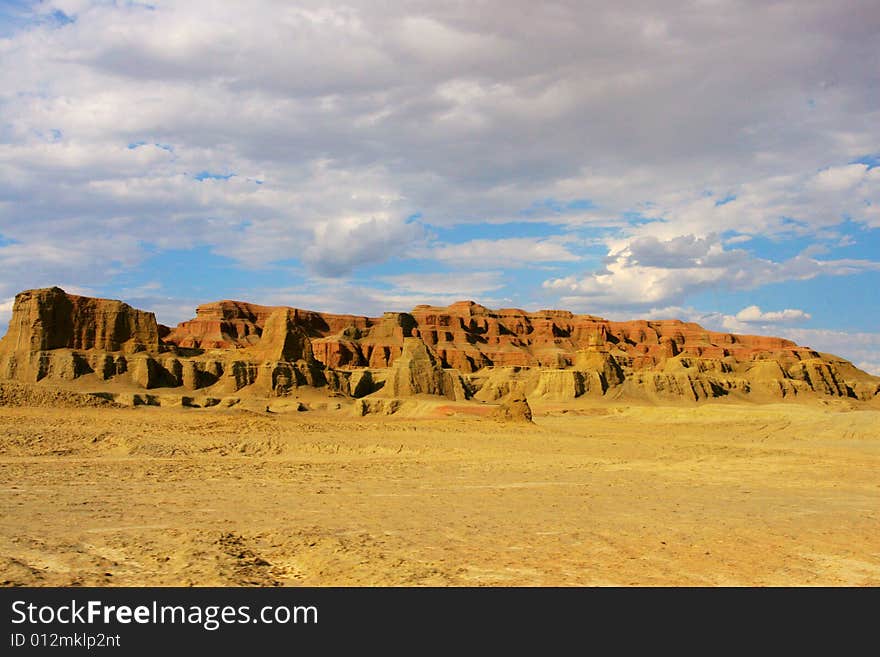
x=645, y=271
x=339, y=246
x=713, y=119
x=448, y=284
x=842, y=178
x=754, y=315
x=507, y=252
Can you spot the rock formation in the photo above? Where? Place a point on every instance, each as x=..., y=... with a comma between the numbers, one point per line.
x=459, y=352
x=52, y=319
x=417, y=371
x=515, y=409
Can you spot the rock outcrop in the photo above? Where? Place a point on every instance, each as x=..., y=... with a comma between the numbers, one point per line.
x=459, y=352
x=515, y=409
x=284, y=339
x=468, y=337
x=52, y=319
x=418, y=372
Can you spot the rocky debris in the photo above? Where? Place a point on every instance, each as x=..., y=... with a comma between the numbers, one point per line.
x=374, y=406
x=514, y=409
x=13, y=393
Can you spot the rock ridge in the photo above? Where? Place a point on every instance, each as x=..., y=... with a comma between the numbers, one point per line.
x=459, y=352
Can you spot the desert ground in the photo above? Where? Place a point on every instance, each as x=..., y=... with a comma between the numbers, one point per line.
x=589, y=494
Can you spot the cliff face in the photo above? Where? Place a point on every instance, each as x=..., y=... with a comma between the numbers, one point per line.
x=52, y=319
x=550, y=354
x=337, y=340
x=417, y=371
x=461, y=351
x=467, y=336
x=232, y=324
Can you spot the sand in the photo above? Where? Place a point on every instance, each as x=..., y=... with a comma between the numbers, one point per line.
x=716, y=494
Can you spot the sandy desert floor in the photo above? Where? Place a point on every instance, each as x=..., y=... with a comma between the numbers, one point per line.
x=718, y=494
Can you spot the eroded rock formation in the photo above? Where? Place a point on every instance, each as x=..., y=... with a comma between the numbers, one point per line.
x=417, y=371
x=52, y=319
x=459, y=352
x=514, y=409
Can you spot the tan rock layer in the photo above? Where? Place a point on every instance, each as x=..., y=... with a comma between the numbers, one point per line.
x=52, y=319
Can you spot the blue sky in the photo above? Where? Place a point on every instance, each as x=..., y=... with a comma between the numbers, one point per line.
x=714, y=161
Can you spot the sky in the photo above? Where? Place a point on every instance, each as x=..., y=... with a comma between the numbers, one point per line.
x=709, y=160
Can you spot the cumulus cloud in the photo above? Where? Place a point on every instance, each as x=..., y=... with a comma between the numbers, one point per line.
x=327, y=126
x=842, y=178
x=337, y=249
x=644, y=272
x=754, y=315
x=508, y=252
x=448, y=284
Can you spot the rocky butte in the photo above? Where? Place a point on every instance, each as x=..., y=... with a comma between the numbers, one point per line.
x=461, y=352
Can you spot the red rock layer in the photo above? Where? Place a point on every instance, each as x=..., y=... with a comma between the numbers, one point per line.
x=549, y=354
x=231, y=324
x=468, y=336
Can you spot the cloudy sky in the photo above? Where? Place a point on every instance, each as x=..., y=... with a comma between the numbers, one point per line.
x=711, y=160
